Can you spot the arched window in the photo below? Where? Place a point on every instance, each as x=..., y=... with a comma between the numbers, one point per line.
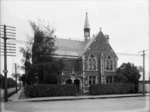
x=102, y=64
x=109, y=63
x=92, y=62
x=102, y=68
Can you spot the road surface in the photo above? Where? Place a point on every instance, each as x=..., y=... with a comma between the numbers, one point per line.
x=130, y=104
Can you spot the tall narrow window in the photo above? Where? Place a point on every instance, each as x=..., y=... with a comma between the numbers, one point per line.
x=102, y=64
x=109, y=79
x=92, y=62
x=92, y=80
x=109, y=63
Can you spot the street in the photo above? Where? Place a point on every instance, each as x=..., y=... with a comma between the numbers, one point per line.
x=130, y=104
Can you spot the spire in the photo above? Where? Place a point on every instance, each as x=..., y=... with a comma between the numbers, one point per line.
x=86, y=28
x=86, y=24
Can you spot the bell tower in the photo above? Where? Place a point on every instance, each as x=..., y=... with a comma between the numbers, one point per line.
x=86, y=28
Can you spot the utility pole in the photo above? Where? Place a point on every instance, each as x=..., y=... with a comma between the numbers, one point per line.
x=143, y=70
x=143, y=73
x=7, y=33
x=5, y=63
x=16, y=75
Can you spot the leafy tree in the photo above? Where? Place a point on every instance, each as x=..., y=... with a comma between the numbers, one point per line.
x=15, y=75
x=43, y=46
x=53, y=71
x=11, y=82
x=27, y=65
x=43, y=50
x=127, y=73
x=27, y=54
x=120, y=78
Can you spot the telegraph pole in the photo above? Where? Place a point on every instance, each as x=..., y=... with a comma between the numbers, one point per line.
x=5, y=64
x=16, y=75
x=143, y=73
x=143, y=70
x=7, y=33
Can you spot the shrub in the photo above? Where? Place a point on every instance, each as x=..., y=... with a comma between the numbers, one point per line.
x=10, y=83
x=43, y=90
x=116, y=88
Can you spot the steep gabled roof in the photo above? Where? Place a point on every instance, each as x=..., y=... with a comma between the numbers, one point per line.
x=104, y=44
x=74, y=49
x=68, y=47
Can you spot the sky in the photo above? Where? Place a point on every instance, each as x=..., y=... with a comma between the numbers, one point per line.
x=125, y=21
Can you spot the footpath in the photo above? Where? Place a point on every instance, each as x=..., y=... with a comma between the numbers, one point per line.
x=9, y=91
x=20, y=96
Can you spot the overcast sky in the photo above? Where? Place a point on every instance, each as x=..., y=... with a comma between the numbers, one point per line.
x=125, y=21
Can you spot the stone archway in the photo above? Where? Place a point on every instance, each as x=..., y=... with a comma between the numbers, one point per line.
x=77, y=83
x=68, y=81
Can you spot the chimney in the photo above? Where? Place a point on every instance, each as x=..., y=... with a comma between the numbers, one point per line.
x=107, y=38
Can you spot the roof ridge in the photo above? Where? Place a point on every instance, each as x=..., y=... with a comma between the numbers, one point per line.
x=69, y=39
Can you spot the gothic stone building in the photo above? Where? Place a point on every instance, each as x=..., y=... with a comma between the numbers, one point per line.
x=87, y=62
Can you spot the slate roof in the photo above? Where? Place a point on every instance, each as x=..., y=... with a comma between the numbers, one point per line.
x=67, y=48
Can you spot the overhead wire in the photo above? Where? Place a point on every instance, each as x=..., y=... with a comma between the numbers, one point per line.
x=38, y=44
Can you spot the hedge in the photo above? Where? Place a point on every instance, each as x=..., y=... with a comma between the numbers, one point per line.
x=10, y=82
x=43, y=90
x=116, y=88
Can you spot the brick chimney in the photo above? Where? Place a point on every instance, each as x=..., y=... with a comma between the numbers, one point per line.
x=107, y=38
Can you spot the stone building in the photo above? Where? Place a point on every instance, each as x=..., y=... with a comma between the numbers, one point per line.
x=87, y=62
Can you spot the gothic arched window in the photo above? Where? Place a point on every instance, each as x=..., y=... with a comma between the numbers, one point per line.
x=109, y=63
x=92, y=62
x=102, y=64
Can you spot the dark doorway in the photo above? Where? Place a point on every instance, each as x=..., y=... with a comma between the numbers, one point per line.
x=68, y=81
x=77, y=83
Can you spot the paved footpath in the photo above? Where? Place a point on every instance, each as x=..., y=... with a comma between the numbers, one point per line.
x=20, y=97
x=10, y=90
x=15, y=96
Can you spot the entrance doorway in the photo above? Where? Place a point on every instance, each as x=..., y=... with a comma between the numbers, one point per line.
x=77, y=83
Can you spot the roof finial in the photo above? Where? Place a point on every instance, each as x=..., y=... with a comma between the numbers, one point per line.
x=100, y=29
x=86, y=10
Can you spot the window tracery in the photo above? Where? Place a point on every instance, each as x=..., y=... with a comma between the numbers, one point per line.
x=109, y=63
x=92, y=63
x=102, y=64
